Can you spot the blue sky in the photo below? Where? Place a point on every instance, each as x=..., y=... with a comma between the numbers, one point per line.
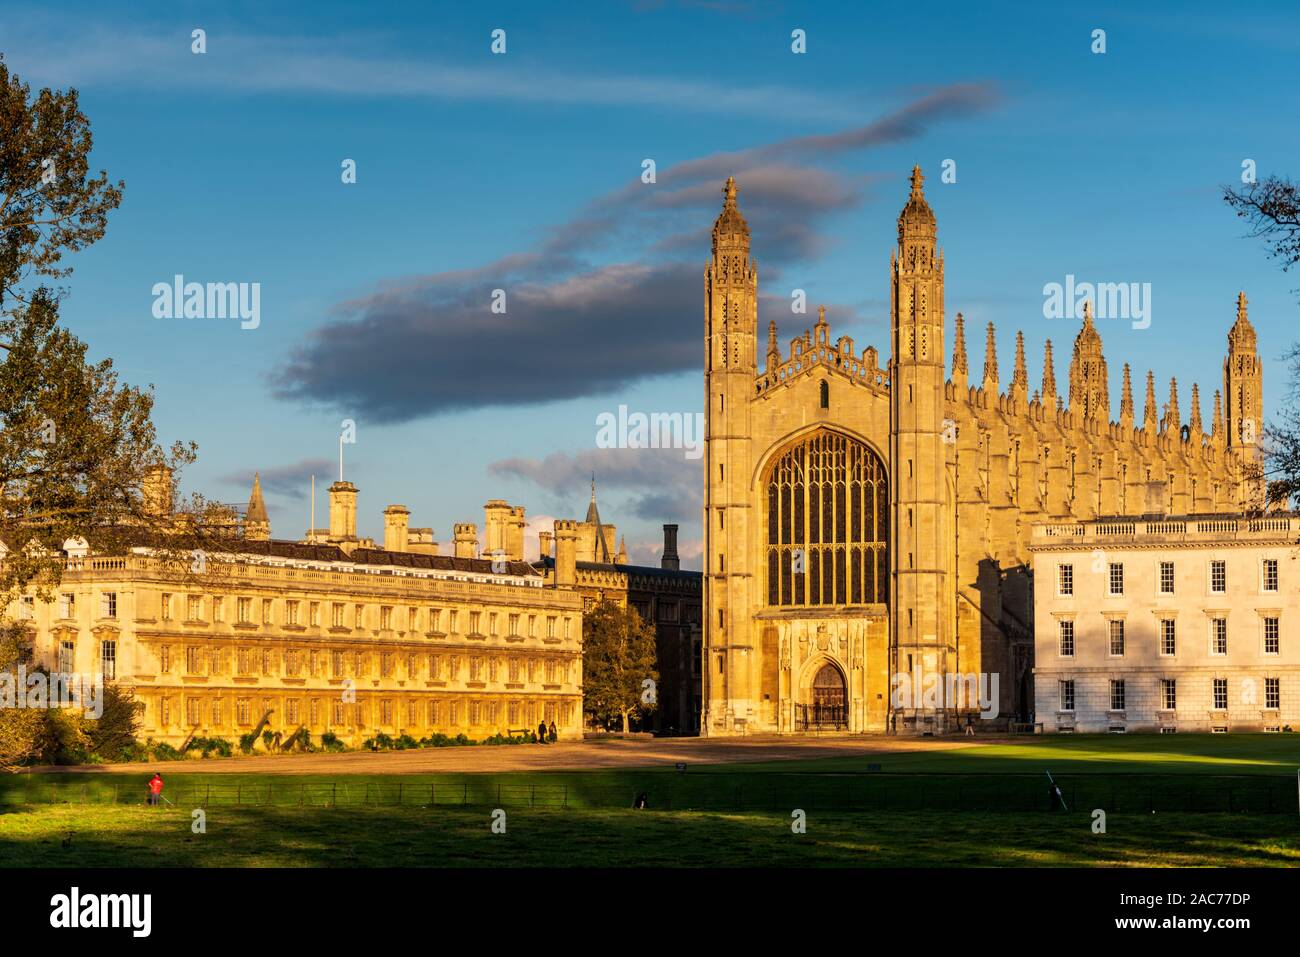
x=522, y=171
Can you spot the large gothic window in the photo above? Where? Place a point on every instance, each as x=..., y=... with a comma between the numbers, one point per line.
x=827, y=524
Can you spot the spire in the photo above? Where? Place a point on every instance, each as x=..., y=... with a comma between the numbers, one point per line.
x=1194, y=426
x=1173, y=416
x=959, y=369
x=916, y=221
x=1020, y=376
x=1243, y=385
x=621, y=558
x=1126, y=401
x=1049, y=377
x=257, y=525
x=730, y=229
x=1150, y=423
x=1242, y=334
x=593, y=514
x=990, y=362
x=1217, y=436
x=773, y=350
x=1089, y=380
x=821, y=331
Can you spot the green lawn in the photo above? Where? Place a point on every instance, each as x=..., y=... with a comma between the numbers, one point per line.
x=117, y=836
x=1217, y=801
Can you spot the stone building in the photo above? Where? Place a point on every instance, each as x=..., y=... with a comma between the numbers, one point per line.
x=1167, y=623
x=667, y=597
x=332, y=634
x=863, y=522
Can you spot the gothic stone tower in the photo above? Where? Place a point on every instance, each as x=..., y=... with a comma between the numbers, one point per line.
x=921, y=624
x=864, y=525
x=730, y=332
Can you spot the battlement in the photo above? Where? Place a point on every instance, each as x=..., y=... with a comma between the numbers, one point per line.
x=812, y=351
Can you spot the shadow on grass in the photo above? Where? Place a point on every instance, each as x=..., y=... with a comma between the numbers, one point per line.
x=69, y=836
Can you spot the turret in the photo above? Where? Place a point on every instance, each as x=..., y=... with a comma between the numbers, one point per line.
x=1049, y=397
x=990, y=384
x=959, y=370
x=257, y=524
x=1243, y=386
x=1126, y=402
x=1020, y=375
x=1150, y=421
x=1089, y=382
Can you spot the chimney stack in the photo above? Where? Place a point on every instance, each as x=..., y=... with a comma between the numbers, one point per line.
x=396, y=531
x=545, y=545
x=420, y=541
x=669, y=558
x=495, y=516
x=343, y=511
x=465, y=539
x=514, y=538
x=156, y=490
x=566, y=553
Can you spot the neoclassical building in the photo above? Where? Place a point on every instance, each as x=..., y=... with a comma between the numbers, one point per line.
x=1167, y=624
x=332, y=633
x=864, y=522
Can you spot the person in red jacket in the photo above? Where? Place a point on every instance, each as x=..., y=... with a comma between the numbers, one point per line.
x=155, y=789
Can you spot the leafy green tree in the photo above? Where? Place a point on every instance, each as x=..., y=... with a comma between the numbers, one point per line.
x=618, y=659
x=49, y=202
x=76, y=445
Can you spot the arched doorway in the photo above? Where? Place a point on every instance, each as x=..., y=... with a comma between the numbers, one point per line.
x=827, y=708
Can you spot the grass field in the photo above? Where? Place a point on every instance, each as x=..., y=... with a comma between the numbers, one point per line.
x=985, y=806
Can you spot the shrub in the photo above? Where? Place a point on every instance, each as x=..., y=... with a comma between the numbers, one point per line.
x=162, y=751
x=208, y=746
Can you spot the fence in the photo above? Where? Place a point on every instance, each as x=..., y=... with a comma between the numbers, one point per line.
x=723, y=791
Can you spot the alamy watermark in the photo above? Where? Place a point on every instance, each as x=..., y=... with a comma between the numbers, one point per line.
x=1110, y=300
x=45, y=691
x=656, y=430
x=947, y=691
x=213, y=300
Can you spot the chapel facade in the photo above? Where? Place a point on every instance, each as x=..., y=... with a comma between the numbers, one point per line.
x=867, y=525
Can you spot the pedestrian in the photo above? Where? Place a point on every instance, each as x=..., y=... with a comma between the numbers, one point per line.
x=552, y=737
x=541, y=732
x=155, y=789
x=970, y=726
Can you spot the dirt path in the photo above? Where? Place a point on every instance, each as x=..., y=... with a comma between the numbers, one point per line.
x=601, y=753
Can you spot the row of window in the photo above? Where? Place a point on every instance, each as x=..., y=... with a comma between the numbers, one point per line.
x=1168, y=637
x=1169, y=694
x=1217, y=577
x=308, y=613
x=293, y=663
x=376, y=713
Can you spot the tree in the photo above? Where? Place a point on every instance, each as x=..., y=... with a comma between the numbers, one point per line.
x=76, y=445
x=49, y=204
x=618, y=659
x=1272, y=208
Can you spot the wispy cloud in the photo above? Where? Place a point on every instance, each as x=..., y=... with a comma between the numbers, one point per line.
x=159, y=57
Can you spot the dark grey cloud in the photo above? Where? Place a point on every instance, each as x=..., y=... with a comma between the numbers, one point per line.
x=580, y=319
